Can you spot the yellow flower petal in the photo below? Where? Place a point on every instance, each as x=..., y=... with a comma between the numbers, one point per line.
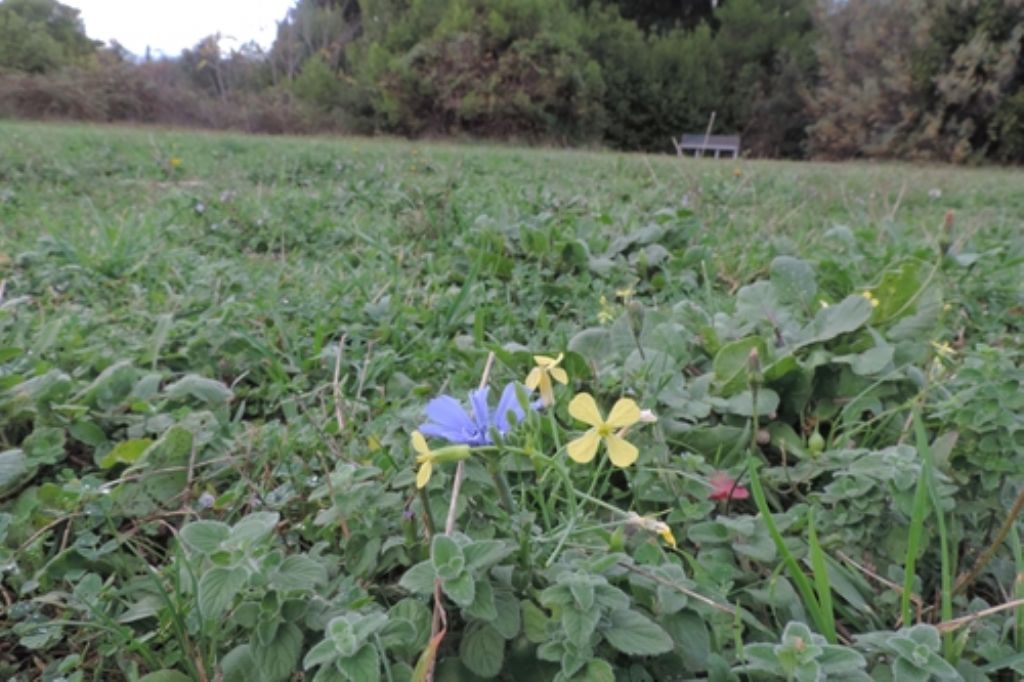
x=584, y=448
x=621, y=452
x=533, y=378
x=419, y=443
x=624, y=413
x=543, y=361
x=423, y=475
x=559, y=375
x=584, y=408
x=547, y=393
x=666, y=535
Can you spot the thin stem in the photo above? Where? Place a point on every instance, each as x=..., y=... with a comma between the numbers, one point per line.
x=502, y=485
x=440, y=617
x=428, y=517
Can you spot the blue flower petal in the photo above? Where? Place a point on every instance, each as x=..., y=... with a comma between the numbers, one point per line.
x=446, y=411
x=448, y=420
x=481, y=415
x=455, y=436
x=508, y=406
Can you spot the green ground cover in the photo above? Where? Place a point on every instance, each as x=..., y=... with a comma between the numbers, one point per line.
x=215, y=351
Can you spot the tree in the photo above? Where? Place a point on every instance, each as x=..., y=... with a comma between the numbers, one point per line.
x=863, y=103
x=41, y=35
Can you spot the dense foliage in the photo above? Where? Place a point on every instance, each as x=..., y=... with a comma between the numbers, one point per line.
x=773, y=432
x=929, y=80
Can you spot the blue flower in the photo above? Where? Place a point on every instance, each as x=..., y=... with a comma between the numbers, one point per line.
x=447, y=419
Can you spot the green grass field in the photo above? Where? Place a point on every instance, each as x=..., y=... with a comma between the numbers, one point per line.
x=215, y=349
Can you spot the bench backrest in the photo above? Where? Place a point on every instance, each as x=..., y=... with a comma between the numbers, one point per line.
x=690, y=141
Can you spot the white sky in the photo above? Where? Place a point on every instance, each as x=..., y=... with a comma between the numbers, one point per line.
x=168, y=26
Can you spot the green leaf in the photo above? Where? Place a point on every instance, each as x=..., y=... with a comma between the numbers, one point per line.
x=742, y=403
x=218, y=588
x=762, y=658
x=298, y=573
x=251, y=529
x=484, y=553
x=535, y=622
x=280, y=657
x=125, y=452
x=365, y=625
x=508, y=620
x=321, y=653
x=165, y=676
x=419, y=579
x=579, y=624
x=364, y=666
x=239, y=665
x=483, y=607
x=482, y=650
x=111, y=386
x=690, y=633
x=414, y=612
x=14, y=469
x=447, y=557
x=635, y=634
x=871, y=361
x=399, y=636
x=88, y=432
x=924, y=634
x=208, y=391
x=205, y=537
x=164, y=473
x=462, y=589
x=597, y=670
x=342, y=632
x=905, y=671
x=808, y=671
x=794, y=281
x=847, y=316
x=582, y=592
x=730, y=364
x=840, y=659
x=897, y=290
x=45, y=445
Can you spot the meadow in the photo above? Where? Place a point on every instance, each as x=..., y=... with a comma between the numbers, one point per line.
x=774, y=432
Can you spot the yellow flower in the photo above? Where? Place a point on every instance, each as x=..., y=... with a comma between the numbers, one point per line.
x=427, y=458
x=424, y=457
x=871, y=298
x=666, y=534
x=624, y=414
x=654, y=526
x=625, y=294
x=175, y=163
x=607, y=312
x=541, y=375
x=944, y=350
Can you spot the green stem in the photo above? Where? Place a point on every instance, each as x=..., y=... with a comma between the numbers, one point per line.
x=502, y=485
x=428, y=518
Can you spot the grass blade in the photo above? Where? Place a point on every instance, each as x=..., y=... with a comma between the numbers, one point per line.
x=946, y=598
x=803, y=585
x=822, y=584
x=914, y=536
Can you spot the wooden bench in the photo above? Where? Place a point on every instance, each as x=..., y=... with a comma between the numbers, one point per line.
x=698, y=144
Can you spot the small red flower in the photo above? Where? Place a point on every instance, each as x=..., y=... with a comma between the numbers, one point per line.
x=723, y=486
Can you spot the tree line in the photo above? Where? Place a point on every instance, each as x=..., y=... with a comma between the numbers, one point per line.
x=920, y=79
